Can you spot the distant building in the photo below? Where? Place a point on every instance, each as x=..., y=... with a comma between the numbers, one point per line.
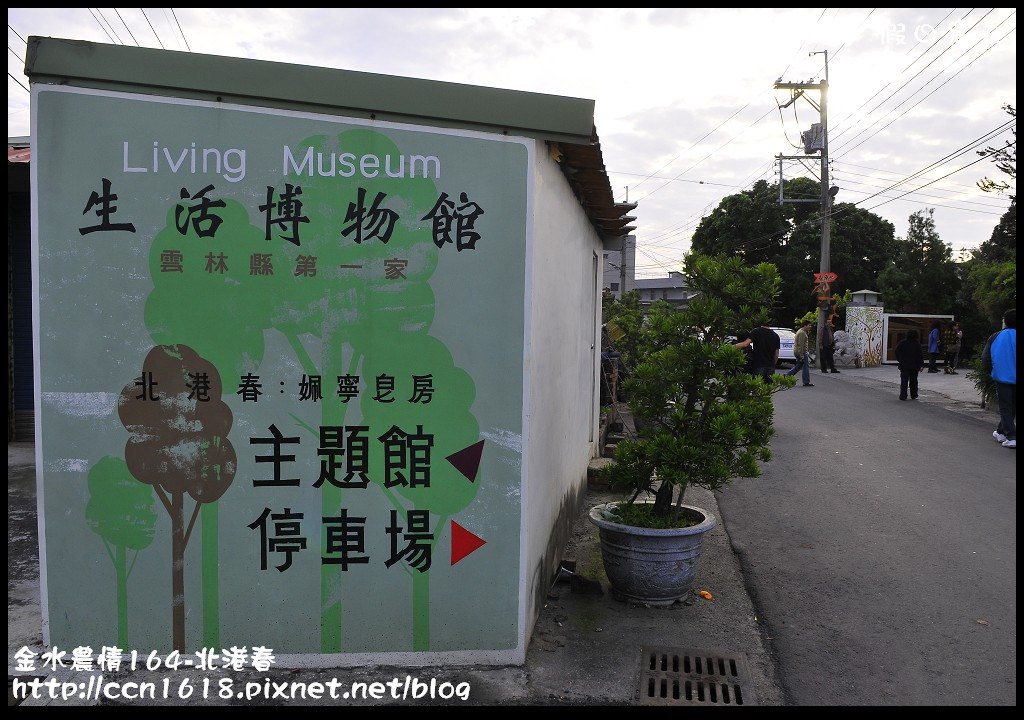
x=672, y=289
x=619, y=270
x=619, y=265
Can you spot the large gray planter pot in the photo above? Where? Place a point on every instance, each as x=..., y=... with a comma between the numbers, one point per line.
x=650, y=566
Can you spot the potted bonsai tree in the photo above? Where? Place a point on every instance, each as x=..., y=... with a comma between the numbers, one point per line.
x=700, y=420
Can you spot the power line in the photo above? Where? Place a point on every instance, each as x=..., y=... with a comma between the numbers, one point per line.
x=709, y=154
x=891, y=95
x=719, y=126
x=937, y=197
x=936, y=89
x=112, y=30
x=693, y=145
x=17, y=81
x=757, y=243
x=675, y=179
x=104, y=29
x=973, y=162
x=868, y=167
x=153, y=28
x=956, y=153
x=973, y=144
x=836, y=136
x=668, y=232
x=918, y=195
x=16, y=33
x=180, y=31
x=126, y=26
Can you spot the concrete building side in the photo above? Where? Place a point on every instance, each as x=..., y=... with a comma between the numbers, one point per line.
x=561, y=353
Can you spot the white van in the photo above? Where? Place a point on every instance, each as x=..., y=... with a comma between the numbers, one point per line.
x=786, y=339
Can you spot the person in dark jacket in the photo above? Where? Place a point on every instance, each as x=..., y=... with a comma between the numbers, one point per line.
x=910, y=360
x=828, y=348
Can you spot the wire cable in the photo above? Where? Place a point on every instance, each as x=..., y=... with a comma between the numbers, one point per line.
x=17, y=81
x=126, y=26
x=758, y=243
x=104, y=29
x=152, y=28
x=839, y=122
x=933, y=91
x=891, y=95
x=110, y=25
x=180, y=31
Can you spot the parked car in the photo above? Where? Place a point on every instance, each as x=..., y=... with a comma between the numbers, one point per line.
x=786, y=339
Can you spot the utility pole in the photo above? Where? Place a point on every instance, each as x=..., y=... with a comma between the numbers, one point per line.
x=825, y=195
x=798, y=90
x=622, y=260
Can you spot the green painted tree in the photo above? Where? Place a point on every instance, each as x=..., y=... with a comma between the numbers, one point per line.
x=121, y=511
x=350, y=292
x=216, y=306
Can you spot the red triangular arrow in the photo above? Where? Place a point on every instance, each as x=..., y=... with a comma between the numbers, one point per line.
x=464, y=542
x=467, y=460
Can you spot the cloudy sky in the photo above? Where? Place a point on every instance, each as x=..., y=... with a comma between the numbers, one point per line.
x=686, y=108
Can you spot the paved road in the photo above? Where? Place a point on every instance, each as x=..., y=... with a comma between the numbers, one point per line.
x=880, y=549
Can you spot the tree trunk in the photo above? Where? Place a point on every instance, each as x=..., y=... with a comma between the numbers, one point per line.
x=178, y=571
x=121, y=570
x=663, y=499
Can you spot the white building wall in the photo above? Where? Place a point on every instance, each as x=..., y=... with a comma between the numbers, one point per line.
x=561, y=364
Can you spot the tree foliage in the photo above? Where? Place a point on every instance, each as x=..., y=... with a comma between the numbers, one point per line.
x=990, y=274
x=923, y=277
x=1005, y=159
x=623, y=320
x=701, y=420
x=754, y=226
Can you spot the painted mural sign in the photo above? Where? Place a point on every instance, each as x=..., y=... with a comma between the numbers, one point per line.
x=280, y=378
x=826, y=302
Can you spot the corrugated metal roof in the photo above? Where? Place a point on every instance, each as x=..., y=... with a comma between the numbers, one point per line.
x=583, y=166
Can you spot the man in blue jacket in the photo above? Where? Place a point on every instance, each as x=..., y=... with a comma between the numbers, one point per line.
x=999, y=359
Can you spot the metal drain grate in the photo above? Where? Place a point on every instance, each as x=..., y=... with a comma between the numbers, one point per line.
x=675, y=676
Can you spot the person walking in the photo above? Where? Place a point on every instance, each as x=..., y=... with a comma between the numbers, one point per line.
x=828, y=348
x=910, y=360
x=765, y=343
x=999, y=359
x=801, y=351
x=952, y=337
x=934, y=343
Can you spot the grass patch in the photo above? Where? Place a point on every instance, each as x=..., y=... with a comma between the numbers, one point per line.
x=642, y=515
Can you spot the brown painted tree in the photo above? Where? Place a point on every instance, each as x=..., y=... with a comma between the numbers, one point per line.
x=179, y=444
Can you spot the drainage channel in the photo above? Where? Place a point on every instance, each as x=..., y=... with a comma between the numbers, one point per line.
x=682, y=676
